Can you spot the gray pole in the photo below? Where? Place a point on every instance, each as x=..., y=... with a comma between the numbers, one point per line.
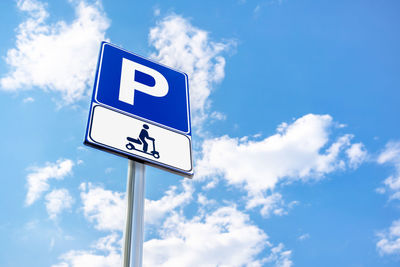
x=129, y=210
x=138, y=220
x=135, y=198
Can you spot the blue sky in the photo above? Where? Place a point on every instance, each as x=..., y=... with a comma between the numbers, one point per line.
x=295, y=133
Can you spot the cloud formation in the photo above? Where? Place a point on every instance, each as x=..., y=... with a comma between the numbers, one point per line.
x=302, y=150
x=391, y=155
x=185, y=47
x=357, y=154
x=270, y=204
x=298, y=151
x=37, y=180
x=59, y=57
x=389, y=242
x=57, y=201
x=156, y=210
x=105, y=208
x=104, y=253
x=281, y=257
x=225, y=237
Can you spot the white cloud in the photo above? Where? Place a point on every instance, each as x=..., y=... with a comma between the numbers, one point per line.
x=155, y=210
x=271, y=204
x=204, y=201
x=304, y=237
x=281, y=257
x=218, y=116
x=104, y=253
x=37, y=180
x=257, y=10
x=181, y=45
x=28, y=100
x=389, y=242
x=225, y=237
x=156, y=12
x=380, y=190
x=103, y=207
x=59, y=57
x=107, y=208
x=298, y=151
x=357, y=154
x=391, y=155
x=57, y=201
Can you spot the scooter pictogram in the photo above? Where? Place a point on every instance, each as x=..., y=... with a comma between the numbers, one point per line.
x=144, y=134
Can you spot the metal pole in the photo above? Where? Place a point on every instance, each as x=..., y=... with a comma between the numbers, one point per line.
x=138, y=219
x=129, y=210
x=135, y=208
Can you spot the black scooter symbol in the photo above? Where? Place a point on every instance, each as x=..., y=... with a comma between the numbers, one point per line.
x=142, y=141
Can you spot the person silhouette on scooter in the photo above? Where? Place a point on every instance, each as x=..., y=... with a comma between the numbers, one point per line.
x=144, y=134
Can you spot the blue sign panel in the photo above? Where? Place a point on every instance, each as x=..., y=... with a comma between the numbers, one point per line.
x=145, y=95
x=140, y=110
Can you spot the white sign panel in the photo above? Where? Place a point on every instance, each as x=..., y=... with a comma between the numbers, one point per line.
x=147, y=141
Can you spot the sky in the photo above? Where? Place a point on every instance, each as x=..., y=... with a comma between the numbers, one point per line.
x=295, y=124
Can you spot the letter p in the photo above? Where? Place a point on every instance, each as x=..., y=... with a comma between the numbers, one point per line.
x=128, y=84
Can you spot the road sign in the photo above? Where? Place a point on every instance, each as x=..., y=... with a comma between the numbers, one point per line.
x=140, y=110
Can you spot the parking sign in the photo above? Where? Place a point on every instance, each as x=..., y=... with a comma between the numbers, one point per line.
x=140, y=110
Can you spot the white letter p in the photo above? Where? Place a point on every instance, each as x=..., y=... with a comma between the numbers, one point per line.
x=128, y=85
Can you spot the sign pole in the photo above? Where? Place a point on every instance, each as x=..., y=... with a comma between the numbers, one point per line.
x=138, y=221
x=134, y=214
x=129, y=211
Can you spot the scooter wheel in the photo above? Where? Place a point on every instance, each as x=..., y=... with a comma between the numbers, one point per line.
x=156, y=155
x=129, y=146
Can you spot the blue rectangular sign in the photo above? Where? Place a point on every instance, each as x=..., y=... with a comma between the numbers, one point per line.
x=154, y=97
x=170, y=109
